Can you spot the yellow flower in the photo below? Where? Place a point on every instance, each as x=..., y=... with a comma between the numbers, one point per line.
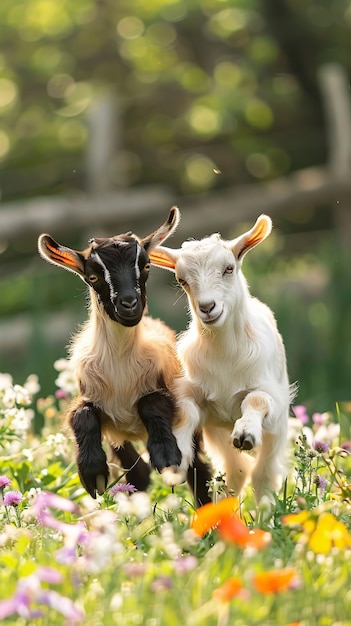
x=323, y=531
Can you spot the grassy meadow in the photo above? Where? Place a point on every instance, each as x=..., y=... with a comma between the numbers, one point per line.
x=136, y=558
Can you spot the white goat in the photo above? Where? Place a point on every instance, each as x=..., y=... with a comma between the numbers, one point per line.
x=125, y=362
x=233, y=358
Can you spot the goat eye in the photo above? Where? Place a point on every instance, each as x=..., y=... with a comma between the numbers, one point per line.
x=147, y=267
x=229, y=269
x=93, y=278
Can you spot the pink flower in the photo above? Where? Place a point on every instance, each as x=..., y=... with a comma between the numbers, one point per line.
x=12, y=498
x=185, y=564
x=301, y=413
x=122, y=487
x=4, y=482
x=29, y=591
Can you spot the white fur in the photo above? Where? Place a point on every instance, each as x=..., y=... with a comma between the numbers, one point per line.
x=233, y=359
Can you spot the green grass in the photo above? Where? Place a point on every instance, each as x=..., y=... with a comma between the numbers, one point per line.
x=134, y=559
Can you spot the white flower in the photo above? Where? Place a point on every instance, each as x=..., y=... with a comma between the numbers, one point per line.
x=5, y=381
x=32, y=384
x=22, y=420
x=141, y=504
x=172, y=503
x=66, y=381
x=58, y=444
x=32, y=494
x=328, y=433
x=61, y=364
x=8, y=400
x=23, y=397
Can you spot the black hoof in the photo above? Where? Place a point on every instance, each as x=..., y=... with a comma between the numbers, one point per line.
x=244, y=442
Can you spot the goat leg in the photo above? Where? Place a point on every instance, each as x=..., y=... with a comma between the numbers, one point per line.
x=199, y=474
x=137, y=471
x=91, y=459
x=157, y=411
x=247, y=432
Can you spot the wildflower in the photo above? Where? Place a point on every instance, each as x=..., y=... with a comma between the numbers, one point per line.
x=135, y=569
x=6, y=381
x=141, y=504
x=184, y=564
x=4, y=482
x=275, y=581
x=211, y=515
x=29, y=591
x=122, y=487
x=328, y=432
x=230, y=589
x=162, y=583
x=320, y=482
x=32, y=384
x=12, y=498
x=320, y=446
x=320, y=418
x=321, y=530
x=301, y=413
x=234, y=530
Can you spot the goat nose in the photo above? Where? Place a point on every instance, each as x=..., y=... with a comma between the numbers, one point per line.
x=207, y=307
x=129, y=302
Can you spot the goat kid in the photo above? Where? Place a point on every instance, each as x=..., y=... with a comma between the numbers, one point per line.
x=125, y=362
x=234, y=360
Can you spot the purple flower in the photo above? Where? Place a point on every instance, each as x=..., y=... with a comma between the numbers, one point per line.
x=162, y=583
x=29, y=591
x=12, y=498
x=320, y=446
x=122, y=487
x=46, y=499
x=135, y=569
x=301, y=413
x=346, y=446
x=321, y=482
x=185, y=564
x=4, y=482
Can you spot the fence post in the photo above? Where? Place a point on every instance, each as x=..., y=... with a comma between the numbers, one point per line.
x=335, y=88
x=104, y=143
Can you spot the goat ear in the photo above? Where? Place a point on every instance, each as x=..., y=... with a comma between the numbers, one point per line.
x=65, y=257
x=164, y=257
x=158, y=236
x=258, y=233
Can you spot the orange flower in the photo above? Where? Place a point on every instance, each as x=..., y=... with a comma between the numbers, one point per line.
x=211, y=515
x=232, y=529
x=228, y=590
x=274, y=580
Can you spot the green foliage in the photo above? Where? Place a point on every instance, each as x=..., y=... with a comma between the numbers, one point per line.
x=201, y=80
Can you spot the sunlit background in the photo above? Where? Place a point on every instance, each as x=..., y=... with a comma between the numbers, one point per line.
x=110, y=112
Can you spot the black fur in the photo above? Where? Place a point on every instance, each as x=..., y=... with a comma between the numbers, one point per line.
x=157, y=411
x=91, y=458
x=138, y=472
x=199, y=475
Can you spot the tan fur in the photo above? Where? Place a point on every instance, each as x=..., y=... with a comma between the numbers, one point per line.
x=147, y=353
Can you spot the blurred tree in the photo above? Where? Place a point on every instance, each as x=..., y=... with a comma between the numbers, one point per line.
x=207, y=86
x=214, y=93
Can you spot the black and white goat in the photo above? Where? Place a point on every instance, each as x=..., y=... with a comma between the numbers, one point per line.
x=234, y=360
x=125, y=362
